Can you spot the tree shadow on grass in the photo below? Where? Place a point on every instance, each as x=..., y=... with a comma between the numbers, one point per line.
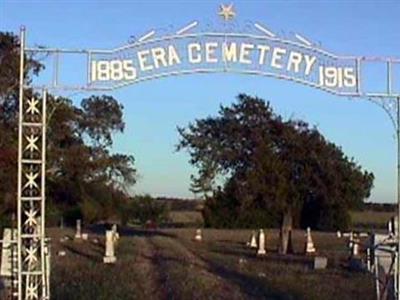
x=100, y=229
x=90, y=257
x=252, y=286
x=271, y=256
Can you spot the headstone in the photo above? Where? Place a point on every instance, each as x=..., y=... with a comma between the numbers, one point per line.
x=95, y=241
x=392, y=226
x=78, y=234
x=8, y=253
x=309, y=247
x=253, y=240
x=115, y=232
x=62, y=223
x=356, y=247
x=339, y=234
x=351, y=243
x=61, y=253
x=261, y=243
x=369, y=265
x=354, y=244
x=85, y=236
x=199, y=236
x=109, y=257
x=64, y=238
x=320, y=262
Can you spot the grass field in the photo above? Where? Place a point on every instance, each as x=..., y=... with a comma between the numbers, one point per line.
x=168, y=264
x=186, y=218
x=370, y=220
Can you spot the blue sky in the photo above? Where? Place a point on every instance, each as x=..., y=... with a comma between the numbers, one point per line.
x=153, y=109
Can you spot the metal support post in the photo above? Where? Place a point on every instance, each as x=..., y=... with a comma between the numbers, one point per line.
x=31, y=265
x=398, y=197
x=19, y=192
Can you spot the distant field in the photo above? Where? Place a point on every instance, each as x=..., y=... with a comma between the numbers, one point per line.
x=371, y=219
x=186, y=218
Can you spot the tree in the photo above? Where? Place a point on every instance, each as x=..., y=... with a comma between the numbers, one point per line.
x=273, y=170
x=144, y=208
x=84, y=176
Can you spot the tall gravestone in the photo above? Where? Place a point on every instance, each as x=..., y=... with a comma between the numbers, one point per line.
x=261, y=243
x=114, y=229
x=253, y=240
x=309, y=247
x=78, y=234
x=109, y=257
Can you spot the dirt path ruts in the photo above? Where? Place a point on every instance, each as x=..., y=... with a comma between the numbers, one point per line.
x=197, y=279
x=152, y=281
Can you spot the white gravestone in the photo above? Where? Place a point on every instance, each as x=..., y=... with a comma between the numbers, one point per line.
x=78, y=234
x=261, y=243
x=253, y=241
x=351, y=242
x=8, y=256
x=109, y=258
x=309, y=248
x=61, y=253
x=199, y=236
x=392, y=226
x=356, y=247
x=115, y=232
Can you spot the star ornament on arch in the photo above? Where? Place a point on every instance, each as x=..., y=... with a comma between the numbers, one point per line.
x=31, y=256
x=31, y=183
x=32, y=140
x=32, y=106
x=31, y=218
x=227, y=12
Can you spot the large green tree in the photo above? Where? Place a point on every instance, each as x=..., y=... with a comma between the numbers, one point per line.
x=263, y=170
x=83, y=175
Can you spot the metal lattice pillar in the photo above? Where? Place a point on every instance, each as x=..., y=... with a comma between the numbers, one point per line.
x=31, y=190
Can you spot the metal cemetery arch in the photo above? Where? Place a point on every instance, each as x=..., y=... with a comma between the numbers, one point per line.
x=255, y=50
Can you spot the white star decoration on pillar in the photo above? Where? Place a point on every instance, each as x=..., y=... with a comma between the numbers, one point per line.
x=32, y=106
x=31, y=214
x=30, y=257
x=227, y=12
x=31, y=177
x=32, y=291
x=32, y=143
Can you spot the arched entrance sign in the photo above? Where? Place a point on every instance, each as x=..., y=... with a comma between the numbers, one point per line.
x=253, y=49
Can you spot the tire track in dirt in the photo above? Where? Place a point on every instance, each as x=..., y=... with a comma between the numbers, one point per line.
x=152, y=280
x=197, y=279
